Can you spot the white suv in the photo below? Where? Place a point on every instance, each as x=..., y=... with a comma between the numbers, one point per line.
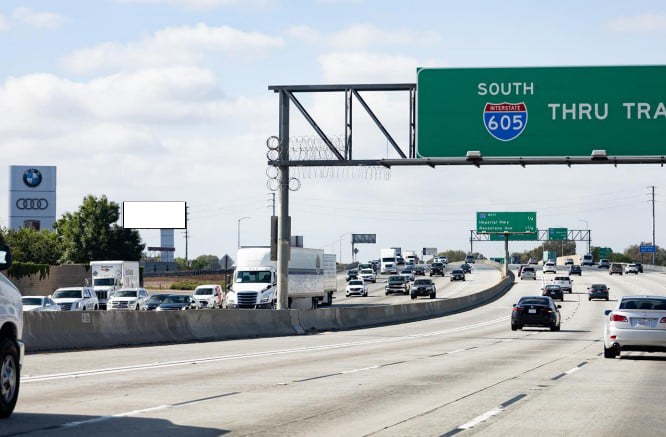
x=76, y=299
x=11, y=331
x=127, y=299
x=368, y=275
x=208, y=296
x=549, y=267
x=564, y=282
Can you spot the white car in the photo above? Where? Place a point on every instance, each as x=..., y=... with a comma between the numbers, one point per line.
x=76, y=299
x=637, y=324
x=549, y=267
x=356, y=286
x=565, y=283
x=39, y=303
x=11, y=332
x=209, y=296
x=368, y=275
x=408, y=274
x=128, y=299
x=528, y=272
x=631, y=268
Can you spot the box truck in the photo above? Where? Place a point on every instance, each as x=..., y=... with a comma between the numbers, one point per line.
x=311, y=279
x=109, y=276
x=388, y=259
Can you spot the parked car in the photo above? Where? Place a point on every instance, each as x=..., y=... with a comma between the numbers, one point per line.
x=437, y=269
x=397, y=284
x=209, y=296
x=76, y=299
x=351, y=274
x=604, y=264
x=575, y=270
x=466, y=268
x=419, y=271
x=368, y=275
x=568, y=262
x=529, y=272
x=423, y=287
x=615, y=268
x=127, y=299
x=39, y=303
x=637, y=324
x=565, y=282
x=12, y=349
x=457, y=275
x=631, y=268
x=554, y=291
x=549, y=267
x=154, y=301
x=535, y=311
x=177, y=302
x=597, y=291
x=408, y=273
x=356, y=287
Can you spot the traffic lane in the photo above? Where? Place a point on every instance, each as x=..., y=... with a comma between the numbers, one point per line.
x=481, y=278
x=120, y=380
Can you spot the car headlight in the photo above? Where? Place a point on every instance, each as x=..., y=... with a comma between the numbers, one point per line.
x=158, y=309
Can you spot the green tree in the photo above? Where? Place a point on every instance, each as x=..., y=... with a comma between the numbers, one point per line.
x=180, y=262
x=31, y=246
x=453, y=255
x=91, y=233
x=206, y=262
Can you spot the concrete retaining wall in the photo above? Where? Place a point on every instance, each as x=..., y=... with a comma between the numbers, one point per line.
x=44, y=331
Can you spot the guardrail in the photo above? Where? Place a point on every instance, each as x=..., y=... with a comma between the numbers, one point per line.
x=50, y=331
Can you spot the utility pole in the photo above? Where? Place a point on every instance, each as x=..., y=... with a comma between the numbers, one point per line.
x=653, y=222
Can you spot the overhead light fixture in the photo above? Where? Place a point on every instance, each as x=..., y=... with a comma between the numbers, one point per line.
x=599, y=154
x=473, y=154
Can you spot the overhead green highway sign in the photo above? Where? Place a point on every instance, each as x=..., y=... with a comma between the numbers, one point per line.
x=558, y=233
x=511, y=222
x=541, y=111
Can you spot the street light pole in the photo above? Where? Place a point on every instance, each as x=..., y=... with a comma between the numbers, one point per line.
x=587, y=227
x=239, y=222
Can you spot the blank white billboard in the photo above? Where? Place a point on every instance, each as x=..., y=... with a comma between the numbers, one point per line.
x=154, y=215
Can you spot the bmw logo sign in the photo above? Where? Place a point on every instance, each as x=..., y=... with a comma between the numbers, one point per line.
x=32, y=177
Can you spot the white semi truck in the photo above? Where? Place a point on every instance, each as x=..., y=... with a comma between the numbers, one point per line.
x=311, y=279
x=388, y=259
x=410, y=256
x=109, y=276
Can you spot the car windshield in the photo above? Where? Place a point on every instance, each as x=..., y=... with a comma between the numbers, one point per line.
x=67, y=294
x=552, y=287
x=528, y=269
x=396, y=279
x=125, y=293
x=176, y=299
x=157, y=298
x=598, y=286
x=367, y=272
x=561, y=278
x=643, y=304
x=204, y=291
x=437, y=265
x=32, y=300
x=422, y=282
x=104, y=281
x=533, y=301
x=352, y=272
x=388, y=260
x=253, y=277
x=355, y=282
x=457, y=272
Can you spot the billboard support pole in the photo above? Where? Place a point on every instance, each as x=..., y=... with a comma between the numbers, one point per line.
x=282, y=301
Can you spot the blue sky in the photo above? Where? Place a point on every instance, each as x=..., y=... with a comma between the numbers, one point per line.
x=168, y=100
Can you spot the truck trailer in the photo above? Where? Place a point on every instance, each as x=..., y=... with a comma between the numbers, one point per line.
x=311, y=279
x=109, y=276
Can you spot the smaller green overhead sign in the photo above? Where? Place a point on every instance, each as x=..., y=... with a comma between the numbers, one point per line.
x=511, y=222
x=558, y=233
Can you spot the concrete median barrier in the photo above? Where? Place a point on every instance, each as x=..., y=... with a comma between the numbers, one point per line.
x=50, y=331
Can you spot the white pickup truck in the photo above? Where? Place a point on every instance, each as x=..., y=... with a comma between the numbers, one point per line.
x=11, y=331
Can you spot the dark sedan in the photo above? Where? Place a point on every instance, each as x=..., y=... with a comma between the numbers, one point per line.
x=457, y=275
x=575, y=270
x=466, y=268
x=177, y=302
x=535, y=311
x=597, y=291
x=554, y=291
x=419, y=271
x=154, y=301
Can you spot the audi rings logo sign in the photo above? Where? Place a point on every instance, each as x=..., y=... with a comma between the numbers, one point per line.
x=38, y=204
x=32, y=177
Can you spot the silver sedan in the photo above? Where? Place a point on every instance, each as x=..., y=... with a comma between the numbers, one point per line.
x=638, y=324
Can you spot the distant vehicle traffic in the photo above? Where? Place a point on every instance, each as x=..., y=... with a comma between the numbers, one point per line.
x=469, y=259
x=351, y=274
x=535, y=311
x=209, y=296
x=565, y=282
x=178, y=302
x=554, y=291
x=588, y=260
x=397, y=284
x=127, y=299
x=457, y=275
x=549, y=267
x=467, y=268
x=39, y=303
x=631, y=268
x=575, y=269
x=532, y=261
x=437, y=269
x=109, y=276
x=604, y=264
x=637, y=324
x=419, y=271
x=568, y=261
x=368, y=275
x=154, y=301
x=76, y=299
x=356, y=287
x=408, y=272
x=423, y=287
x=528, y=272
x=388, y=261
x=616, y=268
x=597, y=291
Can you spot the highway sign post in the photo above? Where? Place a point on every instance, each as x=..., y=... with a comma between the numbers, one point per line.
x=558, y=233
x=540, y=112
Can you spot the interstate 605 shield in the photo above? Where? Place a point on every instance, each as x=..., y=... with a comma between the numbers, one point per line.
x=505, y=121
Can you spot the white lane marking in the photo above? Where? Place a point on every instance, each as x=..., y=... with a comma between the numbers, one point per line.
x=105, y=418
x=482, y=418
x=360, y=370
x=104, y=371
x=575, y=369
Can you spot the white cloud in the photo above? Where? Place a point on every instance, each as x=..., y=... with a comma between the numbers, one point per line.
x=40, y=20
x=639, y=24
x=361, y=36
x=4, y=24
x=204, y=4
x=367, y=67
x=171, y=46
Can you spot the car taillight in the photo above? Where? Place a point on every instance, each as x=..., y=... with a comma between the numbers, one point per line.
x=663, y=320
x=618, y=318
x=516, y=309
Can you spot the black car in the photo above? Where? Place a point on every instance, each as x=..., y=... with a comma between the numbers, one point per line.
x=597, y=291
x=575, y=270
x=535, y=311
x=419, y=271
x=423, y=287
x=554, y=291
x=640, y=267
x=154, y=301
x=176, y=302
x=351, y=274
x=437, y=269
x=465, y=268
x=457, y=275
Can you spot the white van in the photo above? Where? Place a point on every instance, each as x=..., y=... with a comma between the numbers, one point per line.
x=208, y=296
x=588, y=260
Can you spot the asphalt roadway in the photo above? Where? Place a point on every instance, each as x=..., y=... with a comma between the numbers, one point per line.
x=464, y=374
